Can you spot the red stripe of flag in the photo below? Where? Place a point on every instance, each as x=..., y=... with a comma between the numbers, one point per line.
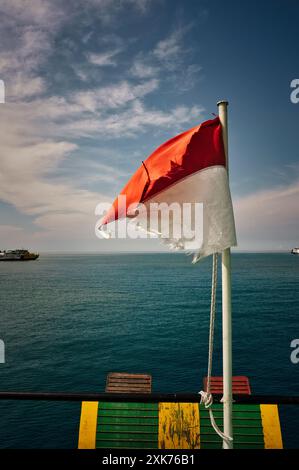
x=187, y=153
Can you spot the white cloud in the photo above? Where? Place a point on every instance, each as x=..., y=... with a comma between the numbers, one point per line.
x=188, y=77
x=104, y=59
x=30, y=158
x=114, y=96
x=169, y=47
x=132, y=121
x=28, y=29
x=12, y=236
x=140, y=69
x=40, y=133
x=138, y=118
x=168, y=60
x=25, y=86
x=43, y=13
x=92, y=171
x=268, y=219
x=112, y=5
x=32, y=151
x=60, y=209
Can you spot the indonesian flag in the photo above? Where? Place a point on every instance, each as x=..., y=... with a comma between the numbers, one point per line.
x=181, y=193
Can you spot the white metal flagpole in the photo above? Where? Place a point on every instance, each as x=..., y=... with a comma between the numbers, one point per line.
x=226, y=310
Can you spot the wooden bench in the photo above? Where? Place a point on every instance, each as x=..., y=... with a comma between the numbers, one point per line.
x=240, y=385
x=122, y=382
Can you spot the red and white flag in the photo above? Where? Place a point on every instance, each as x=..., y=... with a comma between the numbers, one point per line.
x=186, y=177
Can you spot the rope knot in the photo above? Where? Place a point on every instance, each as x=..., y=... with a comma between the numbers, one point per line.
x=206, y=399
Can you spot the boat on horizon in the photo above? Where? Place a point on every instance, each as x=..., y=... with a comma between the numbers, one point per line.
x=17, y=255
x=295, y=251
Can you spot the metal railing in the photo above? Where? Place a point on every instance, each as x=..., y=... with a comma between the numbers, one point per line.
x=146, y=397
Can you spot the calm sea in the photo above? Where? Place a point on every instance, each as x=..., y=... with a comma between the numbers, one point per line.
x=67, y=320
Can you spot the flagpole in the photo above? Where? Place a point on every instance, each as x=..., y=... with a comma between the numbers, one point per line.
x=226, y=309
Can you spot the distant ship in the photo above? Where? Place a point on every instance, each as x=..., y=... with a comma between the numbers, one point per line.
x=17, y=255
x=295, y=251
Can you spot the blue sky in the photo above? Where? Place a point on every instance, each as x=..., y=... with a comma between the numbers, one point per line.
x=93, y=86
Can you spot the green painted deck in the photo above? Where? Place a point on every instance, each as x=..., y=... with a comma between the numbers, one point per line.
x=127, y=425
x=175, y=425
x=247, y=425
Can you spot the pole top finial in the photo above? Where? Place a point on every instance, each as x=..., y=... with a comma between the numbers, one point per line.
x=222, y=102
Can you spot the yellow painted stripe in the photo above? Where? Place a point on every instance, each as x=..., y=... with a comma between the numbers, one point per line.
x=179, y=426
x=271, y=426
x=88, y=425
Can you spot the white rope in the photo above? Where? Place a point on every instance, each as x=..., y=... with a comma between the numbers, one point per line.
x=207, y=397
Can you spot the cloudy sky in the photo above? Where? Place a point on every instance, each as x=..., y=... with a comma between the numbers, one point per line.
x=93, y=86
